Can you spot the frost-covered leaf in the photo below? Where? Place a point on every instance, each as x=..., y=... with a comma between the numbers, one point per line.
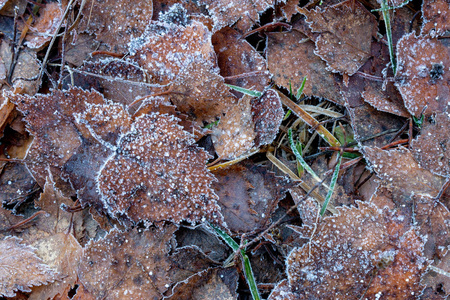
x=353, y=253
x=116, y=79
x=248, y=195
x=61, y=252
x=116, y=23
x=432, y=147
x=169, y=49
x=235, y=133
x=367, y=87
x=267, y=115
x=157, y=174
x=345, y=35
x=128, y=265
x=422, y=76
x=401, y=172
x=251, y=123
x=435, y=16
x=388, y=100
x=237, y=59
x=290, y=58
x=45, y=26
x=26, y=68
x=185, y=58
x=217, y=283
x=432, y=218
x=21, y=268
x=242, y=12
x=145, y=167
x=50, y=120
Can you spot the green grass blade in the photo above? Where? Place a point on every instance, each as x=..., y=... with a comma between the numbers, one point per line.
x=387, y=23
x=228, y=240
x=249, y=276
x=300, y=89
x=332, y=185
x=245, y=261
x=300, y=158
x=244, y=90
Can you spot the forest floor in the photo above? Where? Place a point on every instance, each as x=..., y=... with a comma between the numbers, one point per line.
x=224, y=149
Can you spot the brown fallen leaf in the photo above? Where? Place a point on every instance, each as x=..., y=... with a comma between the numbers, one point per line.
x=249, y=195
x=249, y=124
x=345, y=35
x=62, y=252
x=239, y=62
x=21, y=268
x=353, y=254
x=243, y=13
x=402, y=173
x=128, y=265
x=50, y=120
x=217, y=283
x=45, y=26
x=421, y=76
x=435, y=15
x=431, y=148
x=115, y=23
x=290, y=58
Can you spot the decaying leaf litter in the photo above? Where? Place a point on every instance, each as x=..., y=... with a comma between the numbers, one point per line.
x=136, y=139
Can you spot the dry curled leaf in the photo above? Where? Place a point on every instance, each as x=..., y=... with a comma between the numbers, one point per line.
x=128, y=265
x=21, y=268
x=352, y=254
x=116, y=23
x=345, y=35
x=422, y=76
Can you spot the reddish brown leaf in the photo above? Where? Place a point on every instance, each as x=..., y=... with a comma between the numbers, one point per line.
x=62, y=253
x=157, y=174
x=432, y=217
x=439, y=282
x=351, y=253
x=249, y=124
x=21, y=268
x=170, y=49
x=290, y=57
x=249, y=195
x=128, y=265
x=345, y=35
x=421, y=77
x=215, y=283
x=401, y=172
x=46, y=25
x=432, y=147
x=435, y=16
x=235, y=133
x=388, y=100
x=116, y=23
x=26, y=69
x=239, y=61
x=184, y=56
x=242, y=12
x=116, y=79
